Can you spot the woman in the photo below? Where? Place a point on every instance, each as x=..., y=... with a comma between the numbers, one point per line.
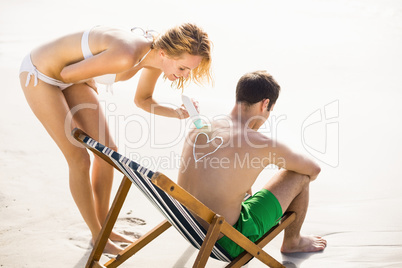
x=60, y=76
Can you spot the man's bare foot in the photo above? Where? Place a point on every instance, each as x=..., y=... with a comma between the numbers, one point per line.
x=120, y=238
x=309, y=243
x=110, y=247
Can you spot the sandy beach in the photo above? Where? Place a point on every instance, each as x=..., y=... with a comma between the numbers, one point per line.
x=339, y=64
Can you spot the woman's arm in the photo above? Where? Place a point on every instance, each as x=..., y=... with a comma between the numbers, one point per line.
x=113, y=60
x=143, y=96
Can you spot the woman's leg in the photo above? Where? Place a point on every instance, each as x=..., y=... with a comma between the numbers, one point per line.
x=50, y=107
x=88, y=115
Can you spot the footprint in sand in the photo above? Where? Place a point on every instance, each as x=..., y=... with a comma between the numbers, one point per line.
x=79, y=237
x=131, y=227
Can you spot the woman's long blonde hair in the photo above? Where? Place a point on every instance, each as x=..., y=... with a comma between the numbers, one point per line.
x=188, y=38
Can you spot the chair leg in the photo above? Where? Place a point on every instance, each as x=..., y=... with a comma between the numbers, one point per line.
x=96, y=264
x=210, y=239
x=138, y=245
x=109, y=223
x=244, y=257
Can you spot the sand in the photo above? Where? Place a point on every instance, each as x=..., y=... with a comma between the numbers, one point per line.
x=339, y=64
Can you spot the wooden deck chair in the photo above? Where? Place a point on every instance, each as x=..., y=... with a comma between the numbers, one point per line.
x=174, y=203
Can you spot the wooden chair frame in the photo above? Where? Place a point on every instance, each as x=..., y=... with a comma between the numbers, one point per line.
x=217, y=225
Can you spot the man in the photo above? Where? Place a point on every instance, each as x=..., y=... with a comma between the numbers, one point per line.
x=222, y=161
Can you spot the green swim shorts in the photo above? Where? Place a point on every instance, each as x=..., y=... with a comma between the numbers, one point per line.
x=259, y=213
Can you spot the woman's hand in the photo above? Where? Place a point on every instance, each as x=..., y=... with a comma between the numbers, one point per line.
x=182, y=111
x=196, y=105
x=92, y=84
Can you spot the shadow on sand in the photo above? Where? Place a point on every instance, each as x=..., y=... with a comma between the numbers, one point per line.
x=294, y=260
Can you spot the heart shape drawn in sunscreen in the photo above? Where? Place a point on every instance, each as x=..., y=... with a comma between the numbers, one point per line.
x=208, y=141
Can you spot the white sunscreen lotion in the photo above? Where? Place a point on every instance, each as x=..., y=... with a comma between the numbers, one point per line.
x=192, y=111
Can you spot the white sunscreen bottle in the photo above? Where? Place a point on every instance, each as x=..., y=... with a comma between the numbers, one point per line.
x=192, y=111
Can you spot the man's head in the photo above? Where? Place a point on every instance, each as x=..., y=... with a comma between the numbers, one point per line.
x=255, y=87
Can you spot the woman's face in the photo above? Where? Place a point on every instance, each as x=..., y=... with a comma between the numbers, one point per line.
x=175, y=68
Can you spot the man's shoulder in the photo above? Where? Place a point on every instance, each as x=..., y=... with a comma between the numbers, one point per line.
x=256, y=135
x=257, y=139
x=240, y=137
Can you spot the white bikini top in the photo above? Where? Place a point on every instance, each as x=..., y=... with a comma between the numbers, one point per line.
x=106, y=79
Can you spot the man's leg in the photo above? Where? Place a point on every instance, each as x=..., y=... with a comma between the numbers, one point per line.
x=292, y=191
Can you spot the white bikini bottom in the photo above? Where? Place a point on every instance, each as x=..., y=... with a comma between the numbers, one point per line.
x=27, y=66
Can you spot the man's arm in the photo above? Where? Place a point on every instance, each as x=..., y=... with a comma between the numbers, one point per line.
x=284, y=157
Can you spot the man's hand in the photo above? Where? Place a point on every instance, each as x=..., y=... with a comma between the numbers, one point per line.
x=250, y=192
x=313, y=177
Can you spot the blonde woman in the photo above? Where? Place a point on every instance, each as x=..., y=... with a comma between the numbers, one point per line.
x=62, y=74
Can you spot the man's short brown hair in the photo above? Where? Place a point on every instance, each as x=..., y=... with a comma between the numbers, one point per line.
x=256, y=86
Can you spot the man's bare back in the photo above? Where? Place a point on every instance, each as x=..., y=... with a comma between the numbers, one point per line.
x=220, y=179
